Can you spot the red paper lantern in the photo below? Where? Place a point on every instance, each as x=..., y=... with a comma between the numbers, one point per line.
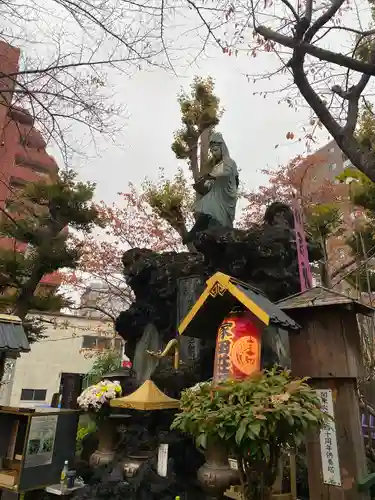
x=238, y=347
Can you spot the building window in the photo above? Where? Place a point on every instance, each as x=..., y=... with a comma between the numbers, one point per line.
x=103, y=343
x=119, y=343
x=332, y=167
x=96, y=343
x=16, y=185
x=33, y=394
x=89, y=342
x=36, y=169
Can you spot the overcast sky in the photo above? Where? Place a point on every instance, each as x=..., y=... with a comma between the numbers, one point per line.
x=252, y=126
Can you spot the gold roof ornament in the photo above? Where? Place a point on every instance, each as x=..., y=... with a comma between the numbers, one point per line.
x=221, y=295
x=147, y=397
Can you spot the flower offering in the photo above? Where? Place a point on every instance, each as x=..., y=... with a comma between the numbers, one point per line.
x=94, y=397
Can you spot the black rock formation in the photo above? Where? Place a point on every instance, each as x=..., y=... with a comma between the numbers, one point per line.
x=263, y=255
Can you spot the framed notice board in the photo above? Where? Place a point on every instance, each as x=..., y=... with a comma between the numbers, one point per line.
x=34, y=446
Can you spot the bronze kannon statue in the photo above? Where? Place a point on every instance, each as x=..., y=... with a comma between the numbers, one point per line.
x=218, y=190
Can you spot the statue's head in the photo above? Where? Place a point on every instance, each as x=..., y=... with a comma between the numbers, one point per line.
x=278, y=213
x=217, y=146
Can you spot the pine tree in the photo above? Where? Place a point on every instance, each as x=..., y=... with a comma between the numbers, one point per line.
x=37, y=218
x=200, y=112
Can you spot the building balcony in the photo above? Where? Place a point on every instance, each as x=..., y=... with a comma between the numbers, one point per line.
x=37, y=158
x=25, y=174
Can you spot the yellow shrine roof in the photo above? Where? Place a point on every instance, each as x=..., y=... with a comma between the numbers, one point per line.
x=146, y=397
x=221, y=294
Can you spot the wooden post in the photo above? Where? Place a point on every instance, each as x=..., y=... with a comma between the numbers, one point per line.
x=293, y=475
x=350, y=442
x=327, y=349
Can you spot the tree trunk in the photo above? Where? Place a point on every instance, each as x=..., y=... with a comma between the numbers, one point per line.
x=203, y=157
x=27, y=292
x=194, y=162
x=324, y=268
x=205, y=137
x=361, y=157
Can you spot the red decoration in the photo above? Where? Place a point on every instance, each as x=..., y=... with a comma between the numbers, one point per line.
x=125, y=361
x=238, y=347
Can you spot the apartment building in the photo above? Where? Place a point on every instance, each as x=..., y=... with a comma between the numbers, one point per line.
x=70, y=348
x=23, y=155
x=99, y=297
x=323, y=168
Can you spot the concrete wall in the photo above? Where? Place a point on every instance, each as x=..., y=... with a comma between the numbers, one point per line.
x=49, y=358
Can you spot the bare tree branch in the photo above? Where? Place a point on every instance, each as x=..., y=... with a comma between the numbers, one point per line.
x=70, y=53
x=303, y=43
x=319, y=53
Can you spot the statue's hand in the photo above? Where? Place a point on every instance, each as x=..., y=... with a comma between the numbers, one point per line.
x=200, y=186
x=203, y=185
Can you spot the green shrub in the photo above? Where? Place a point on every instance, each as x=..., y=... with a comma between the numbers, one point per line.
x=84, y=428
x=254, y=420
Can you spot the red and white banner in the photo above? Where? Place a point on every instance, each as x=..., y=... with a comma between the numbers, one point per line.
x=301, y=243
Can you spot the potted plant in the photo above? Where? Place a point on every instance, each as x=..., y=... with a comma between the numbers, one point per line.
x=95, y=401
x=254, y=420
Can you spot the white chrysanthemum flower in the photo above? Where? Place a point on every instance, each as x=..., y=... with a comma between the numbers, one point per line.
x=98, y=394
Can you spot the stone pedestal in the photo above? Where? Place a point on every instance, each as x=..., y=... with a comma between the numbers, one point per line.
x=105, y=452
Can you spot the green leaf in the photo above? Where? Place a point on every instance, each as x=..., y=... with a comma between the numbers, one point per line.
x=255, y=428
x=252, y=410
x=201, y=441
x=241, y=431
x=290, y=419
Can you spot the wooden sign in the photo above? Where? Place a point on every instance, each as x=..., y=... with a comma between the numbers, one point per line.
x=328, y=441
x=41, y=441
x=238, y=348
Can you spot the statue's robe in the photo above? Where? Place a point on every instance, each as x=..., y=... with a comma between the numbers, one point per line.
x=217, y=207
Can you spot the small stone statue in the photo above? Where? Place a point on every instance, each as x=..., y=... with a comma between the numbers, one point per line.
x=218, y=189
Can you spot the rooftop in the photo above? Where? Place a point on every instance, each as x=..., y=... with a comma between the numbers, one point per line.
x=13, y=339
x=221, y=294
x=319, y=297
